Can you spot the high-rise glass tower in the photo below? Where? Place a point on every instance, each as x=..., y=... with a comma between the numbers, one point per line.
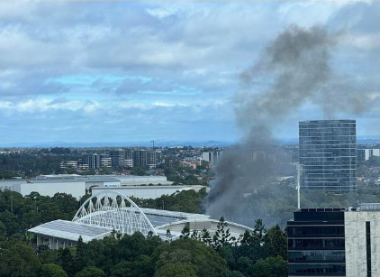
x=327, y=153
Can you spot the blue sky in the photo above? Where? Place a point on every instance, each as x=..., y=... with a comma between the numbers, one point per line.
x=96, y=72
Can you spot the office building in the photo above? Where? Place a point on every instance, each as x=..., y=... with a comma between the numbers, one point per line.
x=327, y=153
x=105, y=161
x=117, y=158
x=152, y=159
x=140, y=158
x=212, y=157
x=316, y=243
x=129, y=157
x=93, y=161
x=335, y=242
x=366, y=154
x=68, y=164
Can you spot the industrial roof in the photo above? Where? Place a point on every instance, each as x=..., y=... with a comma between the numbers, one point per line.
x=162, y=217
x=70, y=230
x=70, y=180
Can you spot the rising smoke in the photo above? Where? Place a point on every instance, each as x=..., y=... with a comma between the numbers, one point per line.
x=293, y=69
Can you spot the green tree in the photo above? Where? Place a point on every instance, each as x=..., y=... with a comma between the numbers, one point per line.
x=142, y=266
x=204, y=259
x=270, y=267
x=52, y=270
x=66, y=260
x=18, y=260
x=91, y=271
x=275, y=242
x=177, y=269
x=226, y=253
x=185, y=233
x=222, y=234
x=81, y=258
x=245, y=265
x=235, y=273
x=259, y=229
x=205, y=237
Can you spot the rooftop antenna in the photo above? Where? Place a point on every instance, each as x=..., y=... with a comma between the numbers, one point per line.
x=299, y=173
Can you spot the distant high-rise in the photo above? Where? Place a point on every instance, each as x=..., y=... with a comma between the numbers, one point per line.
x=93, y=161
x=129, y=157
x=140, y=158
x=327, y=153
x=105, y=161
x=117, y=158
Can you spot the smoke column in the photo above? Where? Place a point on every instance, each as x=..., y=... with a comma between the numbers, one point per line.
x=295, y=68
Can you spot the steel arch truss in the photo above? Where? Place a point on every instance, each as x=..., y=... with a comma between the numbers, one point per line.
x=114, y=210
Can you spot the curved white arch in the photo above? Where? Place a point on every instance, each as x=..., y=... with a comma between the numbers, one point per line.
x=104, y=209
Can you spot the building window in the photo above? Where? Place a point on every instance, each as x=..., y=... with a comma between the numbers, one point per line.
x=368, y=242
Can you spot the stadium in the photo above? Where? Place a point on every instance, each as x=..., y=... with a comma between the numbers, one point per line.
x=106, y=212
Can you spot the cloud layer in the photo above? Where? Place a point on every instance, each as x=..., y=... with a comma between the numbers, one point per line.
x=126, y=72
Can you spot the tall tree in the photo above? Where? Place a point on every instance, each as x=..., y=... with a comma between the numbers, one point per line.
x=275, y=242
x=52, y=270
x=222, y=234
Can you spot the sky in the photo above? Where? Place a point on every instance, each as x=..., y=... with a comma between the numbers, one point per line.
x=129, y=72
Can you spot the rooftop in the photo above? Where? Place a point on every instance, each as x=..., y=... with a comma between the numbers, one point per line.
x=70, y=230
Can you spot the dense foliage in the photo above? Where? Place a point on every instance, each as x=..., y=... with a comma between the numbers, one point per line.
x=17, y=213
x=33, y=163
x=196, y=254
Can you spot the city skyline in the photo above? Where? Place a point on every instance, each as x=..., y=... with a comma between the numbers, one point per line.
x=143, y=71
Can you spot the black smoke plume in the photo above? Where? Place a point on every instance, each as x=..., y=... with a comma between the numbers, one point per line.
x=293, y=69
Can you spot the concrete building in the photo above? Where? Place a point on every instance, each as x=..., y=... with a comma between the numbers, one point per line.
x=212, y=157
x=366, y=154
x=78, y=185
x=105, y=161
x=140, y=158
x=335, y=242
x=129, y=158
x=9, y=183
x=152, y=159
x=69, y=164
x=327, y=153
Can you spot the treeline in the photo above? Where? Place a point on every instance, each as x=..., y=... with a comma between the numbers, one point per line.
x=28, y=165
x=257, y=254
x=18, y=213
x=260, y=253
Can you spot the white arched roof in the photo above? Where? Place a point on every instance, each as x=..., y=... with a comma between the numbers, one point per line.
x=114, y=210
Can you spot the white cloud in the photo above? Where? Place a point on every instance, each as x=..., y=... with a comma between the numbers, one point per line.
x=185, y=58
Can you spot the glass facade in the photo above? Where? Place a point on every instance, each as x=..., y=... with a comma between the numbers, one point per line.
x=316, y=243
x=327, y=153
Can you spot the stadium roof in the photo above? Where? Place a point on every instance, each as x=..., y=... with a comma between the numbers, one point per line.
x=163, y=217
x=71, y=230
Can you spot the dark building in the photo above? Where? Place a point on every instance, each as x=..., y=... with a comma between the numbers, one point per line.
x=93, y=161
x=327, y=153
x=140, y=158
x=129, y=157
x=316, y=243
x=117, y=158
